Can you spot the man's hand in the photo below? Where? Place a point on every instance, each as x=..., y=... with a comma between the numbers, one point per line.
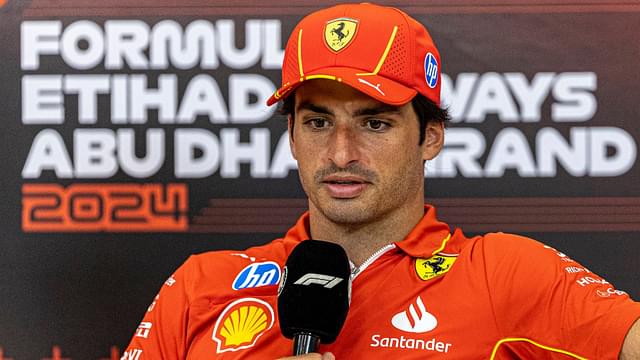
x=312, y=356
x=631, y=346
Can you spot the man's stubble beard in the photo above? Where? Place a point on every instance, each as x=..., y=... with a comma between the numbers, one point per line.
x=366, y=209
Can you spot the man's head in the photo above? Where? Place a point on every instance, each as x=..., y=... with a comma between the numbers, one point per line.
x=358, y=158
x=361, y=83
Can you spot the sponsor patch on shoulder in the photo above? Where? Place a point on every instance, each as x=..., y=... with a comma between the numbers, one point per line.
x=434, y=266
x=256, y=275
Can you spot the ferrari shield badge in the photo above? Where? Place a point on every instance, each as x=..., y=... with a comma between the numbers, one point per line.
x=436, y=265
x=338, y=33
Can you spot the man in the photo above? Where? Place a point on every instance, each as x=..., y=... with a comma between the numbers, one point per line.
x=361, y=87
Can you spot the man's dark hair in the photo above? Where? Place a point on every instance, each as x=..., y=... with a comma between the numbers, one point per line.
x=426, y=110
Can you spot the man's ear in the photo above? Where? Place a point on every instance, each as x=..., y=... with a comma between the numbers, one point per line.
x=433, y=140
x=290, y=123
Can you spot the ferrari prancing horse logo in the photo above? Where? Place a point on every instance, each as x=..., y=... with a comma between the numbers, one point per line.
x=338, y=33
x=436, y=265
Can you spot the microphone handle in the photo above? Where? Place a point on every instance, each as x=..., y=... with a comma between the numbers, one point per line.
x=305, y=343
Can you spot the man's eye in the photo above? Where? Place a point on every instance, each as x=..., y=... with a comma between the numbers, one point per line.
x=374, y=124
x=318, y=123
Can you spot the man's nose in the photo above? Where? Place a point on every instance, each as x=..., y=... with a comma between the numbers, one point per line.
x=343, y=148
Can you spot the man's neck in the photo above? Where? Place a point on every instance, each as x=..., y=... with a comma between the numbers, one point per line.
x=360, y=241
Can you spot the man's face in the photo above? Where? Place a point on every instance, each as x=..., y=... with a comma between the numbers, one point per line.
x=358, y=159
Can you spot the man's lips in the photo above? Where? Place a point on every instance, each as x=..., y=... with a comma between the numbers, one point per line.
x=345, y=187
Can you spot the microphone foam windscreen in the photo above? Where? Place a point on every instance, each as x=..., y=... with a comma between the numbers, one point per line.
x=315, y=291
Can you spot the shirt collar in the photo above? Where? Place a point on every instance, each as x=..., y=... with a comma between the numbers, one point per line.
x=429, y=237
x=300, y=231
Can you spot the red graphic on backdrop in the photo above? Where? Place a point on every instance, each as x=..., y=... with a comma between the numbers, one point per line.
x=56, y=354
x=113, y=355
x=1, y=349
x=104, y=207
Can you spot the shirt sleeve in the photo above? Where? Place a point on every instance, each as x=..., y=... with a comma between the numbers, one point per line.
x=546, y=302
x=163, y=330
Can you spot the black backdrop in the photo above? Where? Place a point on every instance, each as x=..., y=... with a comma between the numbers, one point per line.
x=82, y=292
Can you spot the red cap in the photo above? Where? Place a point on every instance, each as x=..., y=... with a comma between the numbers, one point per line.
x=378, y=50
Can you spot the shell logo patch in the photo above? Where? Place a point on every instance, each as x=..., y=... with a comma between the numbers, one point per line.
x=338, y=33
x=241, y=323
x=434, y=266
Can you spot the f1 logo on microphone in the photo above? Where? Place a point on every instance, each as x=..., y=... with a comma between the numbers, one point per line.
x=326, y=281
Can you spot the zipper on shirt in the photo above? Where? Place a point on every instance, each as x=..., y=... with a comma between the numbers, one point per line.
x=356, y=270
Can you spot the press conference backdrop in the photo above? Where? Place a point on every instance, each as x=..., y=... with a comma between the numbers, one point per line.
x=135, y=134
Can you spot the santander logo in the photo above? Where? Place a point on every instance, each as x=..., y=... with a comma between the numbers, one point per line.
x=415, y=321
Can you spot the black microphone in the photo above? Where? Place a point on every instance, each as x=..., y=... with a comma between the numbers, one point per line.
x=314, y=295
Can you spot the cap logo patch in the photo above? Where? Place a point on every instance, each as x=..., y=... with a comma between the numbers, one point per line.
x=431, y=70
x=338, y=33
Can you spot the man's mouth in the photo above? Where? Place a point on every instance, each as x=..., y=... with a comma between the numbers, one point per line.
x=344, y=188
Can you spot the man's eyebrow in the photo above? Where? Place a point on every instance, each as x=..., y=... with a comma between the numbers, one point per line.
x=377, y=109
x=373, y=110
x=313, y=107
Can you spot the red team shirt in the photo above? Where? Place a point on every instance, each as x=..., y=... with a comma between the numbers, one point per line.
x=433, y=295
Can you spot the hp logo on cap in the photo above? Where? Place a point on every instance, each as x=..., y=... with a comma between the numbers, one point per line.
x=431, y=70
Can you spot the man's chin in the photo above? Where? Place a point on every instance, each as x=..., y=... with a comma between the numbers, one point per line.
x=347, y=214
